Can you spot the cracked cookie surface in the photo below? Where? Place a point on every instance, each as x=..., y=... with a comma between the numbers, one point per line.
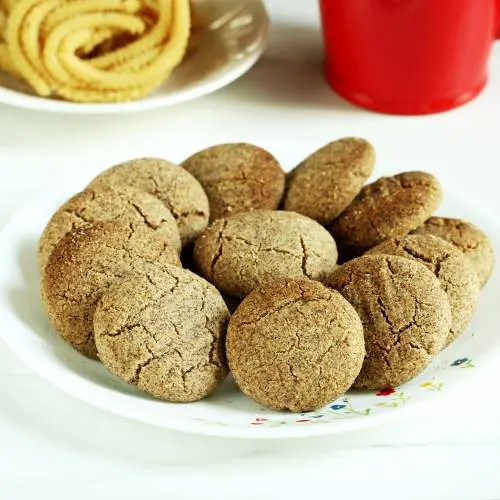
x=405, y=314
x=237, y=178
x=295, y=344
x=181, y=193
x=466, y=237
x=240, y=252
x=450, y=266
x=85, y=263
x=326, y=182
x=105, y=203
x=388, y=208
x=164, y=332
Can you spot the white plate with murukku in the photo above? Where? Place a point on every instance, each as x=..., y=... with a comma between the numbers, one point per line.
x=113, y=56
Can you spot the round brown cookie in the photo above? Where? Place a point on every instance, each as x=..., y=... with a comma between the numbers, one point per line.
x=294, y=344
x=174, y=186
x=450, y=266
x=137, y=208
x=405, y=314
x=324, y=184
x=85, y=263
x=389, y=208
x=240, y=252
x=164, y=332
x=238, y=178
x=467, y=238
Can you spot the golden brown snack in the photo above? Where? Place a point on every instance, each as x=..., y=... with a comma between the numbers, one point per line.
x=3, y=22
x=241, y=252
x=388, y=208
x=52, y=43
x=6, y=63
x=237, y=178
x=164, y=332
x=181, y=193
x=405, y=314
x=326, y=182
x=85, y=263
x=466, y=237
x=450, y=266
x=141, y=210
x=293, y=344
x=7, y=5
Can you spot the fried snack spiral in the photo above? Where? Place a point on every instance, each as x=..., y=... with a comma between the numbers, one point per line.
x=6, y=63
x=95, y=50
x=3, y=21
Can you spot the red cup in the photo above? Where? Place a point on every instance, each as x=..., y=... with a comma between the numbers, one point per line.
x=409, y=57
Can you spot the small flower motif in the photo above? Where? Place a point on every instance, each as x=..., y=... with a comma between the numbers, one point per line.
x=259, y=421
x=388, y=405
x=460, y=361
x=337, y=407
x=386, y=392
x=432, y=385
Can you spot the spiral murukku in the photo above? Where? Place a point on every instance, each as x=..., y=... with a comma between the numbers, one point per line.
x=3, y=22
x=6, y=5
x=6, y=62
x=94, y=50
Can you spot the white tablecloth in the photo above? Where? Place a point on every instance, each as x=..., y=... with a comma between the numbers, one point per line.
x=53, y=446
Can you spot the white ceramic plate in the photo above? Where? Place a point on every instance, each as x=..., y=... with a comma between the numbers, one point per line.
x=25, y=329
x=229, y=46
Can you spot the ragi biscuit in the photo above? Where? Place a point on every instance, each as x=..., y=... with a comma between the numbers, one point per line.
x=164, y=332
x=238, y=178
x=405, y=314
x=466, y=237
x=294, y=344
x=99, y=204
x=388, y=208
x=85, y=263
x=451, y=267
x=326, y=182
x=240, y=252
x=181, y=193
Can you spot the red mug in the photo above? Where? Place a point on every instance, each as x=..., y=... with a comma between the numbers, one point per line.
x=408, y=57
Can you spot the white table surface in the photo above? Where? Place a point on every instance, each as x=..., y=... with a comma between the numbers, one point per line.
x=53, y=446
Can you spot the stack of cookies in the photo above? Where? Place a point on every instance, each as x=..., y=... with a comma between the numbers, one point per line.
x=174, y=275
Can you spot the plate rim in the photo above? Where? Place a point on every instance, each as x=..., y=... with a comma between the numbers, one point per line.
x=220, y=79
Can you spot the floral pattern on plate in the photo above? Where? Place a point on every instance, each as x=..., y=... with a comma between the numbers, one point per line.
x=381, y=400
